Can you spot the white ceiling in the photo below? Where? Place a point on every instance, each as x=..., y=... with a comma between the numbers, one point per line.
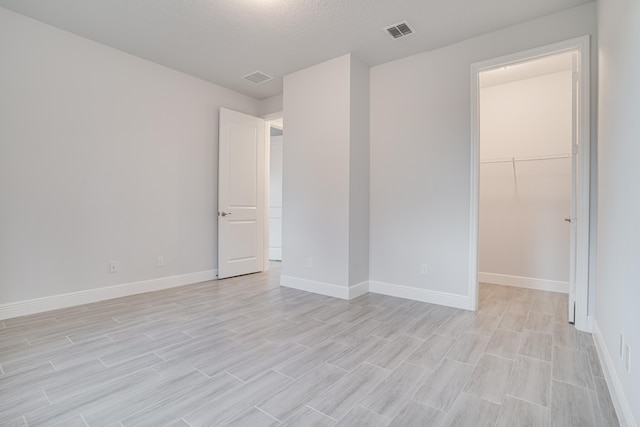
x=527, y=70
x=223, y=40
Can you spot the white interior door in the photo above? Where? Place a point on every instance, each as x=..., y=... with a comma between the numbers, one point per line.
x=574, y=190
x=241, y=194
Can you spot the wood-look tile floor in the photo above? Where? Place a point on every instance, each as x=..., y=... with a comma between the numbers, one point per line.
x=246, y=352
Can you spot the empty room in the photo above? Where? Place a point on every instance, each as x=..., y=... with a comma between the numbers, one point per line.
x=319, y=213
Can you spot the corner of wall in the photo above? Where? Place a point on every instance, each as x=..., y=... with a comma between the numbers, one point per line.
x=271, y=105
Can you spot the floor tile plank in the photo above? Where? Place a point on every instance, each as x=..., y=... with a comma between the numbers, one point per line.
x=389, y=397
x=442, y=387
x=338, y=399
x=516, y=412
x=573, y=406
x=531, y=381
x=489, y=378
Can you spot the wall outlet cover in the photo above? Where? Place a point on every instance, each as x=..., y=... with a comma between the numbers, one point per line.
x=113, y=267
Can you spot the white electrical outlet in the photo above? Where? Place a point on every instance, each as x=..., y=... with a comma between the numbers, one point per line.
x=621, y=348
x=309, y=262
x=160, y=262
x=627, y=357
x=423, y=269
x=113, y=267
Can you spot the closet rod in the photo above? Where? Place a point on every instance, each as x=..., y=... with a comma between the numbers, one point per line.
x=527, y=159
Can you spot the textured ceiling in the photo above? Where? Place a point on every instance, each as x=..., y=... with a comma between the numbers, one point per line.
x=223, y=40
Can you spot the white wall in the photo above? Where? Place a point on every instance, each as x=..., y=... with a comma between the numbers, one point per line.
x=316, y=173
x=521, y=231
x=103, y=157
x=359, y=174
x=618, y=267
x=420, y=153
x=326, y=178
x=530, y=117
x=275, y=198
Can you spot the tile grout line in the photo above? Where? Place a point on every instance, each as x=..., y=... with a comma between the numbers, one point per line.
x=85, y=421
x=158, y=356
x=573, y=385
x=528, y=401
x=320, y=412
x=282, y=373
x=268, y=414
x=226, y=372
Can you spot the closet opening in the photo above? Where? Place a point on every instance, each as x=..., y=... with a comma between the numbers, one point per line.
x=530, y=150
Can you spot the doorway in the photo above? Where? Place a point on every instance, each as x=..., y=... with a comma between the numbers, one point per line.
x=243, y=192
x=527, y=181
x=275, y=189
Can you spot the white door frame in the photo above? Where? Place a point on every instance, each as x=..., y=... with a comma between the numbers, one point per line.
x=581, y=45
x=267, y=173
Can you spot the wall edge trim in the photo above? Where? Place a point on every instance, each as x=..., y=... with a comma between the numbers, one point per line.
x=524, y=282
x=322, y=288
x=55, y=302
x=418, y=294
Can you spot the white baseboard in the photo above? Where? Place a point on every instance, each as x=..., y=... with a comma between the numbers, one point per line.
x=524, y=282
x=590, y=321
x=417, y=294
x=358, y=289
x=54, y=302
x=620, y=402
x=407, y=292
x=275, y=254
x=328, y=289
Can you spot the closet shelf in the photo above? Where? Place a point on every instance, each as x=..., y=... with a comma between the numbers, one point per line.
x=513, y=161
x=526, y=159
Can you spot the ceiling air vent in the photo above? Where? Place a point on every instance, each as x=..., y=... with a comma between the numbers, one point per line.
x=399, y=30
x=258, y=77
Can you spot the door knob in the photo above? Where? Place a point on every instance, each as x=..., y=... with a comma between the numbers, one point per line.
x=224, y=213
x=568, y=219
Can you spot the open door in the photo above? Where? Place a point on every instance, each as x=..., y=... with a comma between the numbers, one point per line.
x=575, y=182
x=574, y=189
x=241, y=194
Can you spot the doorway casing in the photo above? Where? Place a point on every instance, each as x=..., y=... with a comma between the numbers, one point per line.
x=583, y=140
x=269, y=121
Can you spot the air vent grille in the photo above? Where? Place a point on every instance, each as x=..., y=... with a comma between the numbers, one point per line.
x=258, y=77
x=399, y=30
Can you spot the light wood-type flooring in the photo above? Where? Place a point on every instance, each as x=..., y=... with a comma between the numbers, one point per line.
x=247, y=352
